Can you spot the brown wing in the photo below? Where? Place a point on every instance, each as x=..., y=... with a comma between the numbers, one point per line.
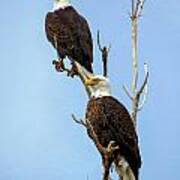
x=111, y=121
x=59, y=34
x=86, y=38
x=70, y=35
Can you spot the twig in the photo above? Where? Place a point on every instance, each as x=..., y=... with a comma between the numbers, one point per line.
x=145, y=81
x=98, y=41
x=132, y=6
x=136, y=99
x=138, y=3
x=80, y=121
x=137, y=8
x=141, y=7
x=145, y=89
x=127, y=92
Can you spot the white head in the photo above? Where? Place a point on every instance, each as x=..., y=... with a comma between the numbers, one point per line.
x=96, y=85
x=61, y=4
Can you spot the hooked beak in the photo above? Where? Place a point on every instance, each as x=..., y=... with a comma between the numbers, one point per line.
x=86, y=76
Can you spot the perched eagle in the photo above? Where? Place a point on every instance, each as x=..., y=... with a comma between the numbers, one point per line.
x=69, y=33
x=110, y=121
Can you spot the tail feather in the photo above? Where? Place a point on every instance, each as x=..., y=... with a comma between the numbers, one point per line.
x=124, y=170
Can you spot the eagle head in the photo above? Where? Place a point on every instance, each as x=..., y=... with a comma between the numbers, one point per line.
x=96, y=85
x=61, y=4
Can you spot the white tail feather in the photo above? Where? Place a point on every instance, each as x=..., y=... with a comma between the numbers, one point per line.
x=124, y=171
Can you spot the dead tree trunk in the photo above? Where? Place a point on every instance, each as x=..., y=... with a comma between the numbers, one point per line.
x=135, y=96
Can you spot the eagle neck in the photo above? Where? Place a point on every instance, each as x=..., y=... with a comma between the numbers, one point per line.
x=100, y=94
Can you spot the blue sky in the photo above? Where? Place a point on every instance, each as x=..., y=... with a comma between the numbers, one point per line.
x=38, y=139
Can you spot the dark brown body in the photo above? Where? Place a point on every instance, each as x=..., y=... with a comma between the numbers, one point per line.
x=69, y=33
x=111, y=122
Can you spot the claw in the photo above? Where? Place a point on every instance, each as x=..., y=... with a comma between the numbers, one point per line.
x=59, y=65
x=112, y=147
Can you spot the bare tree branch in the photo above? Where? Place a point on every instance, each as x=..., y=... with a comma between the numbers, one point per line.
x=132, y=7
x=105, y=52
x=136, y=99
x=127, y=92
x=144, y=83
x=138, y=3
x=81, y=122
x=145, y=89
x=141, y=7
x=98, y=41
x=137, y=8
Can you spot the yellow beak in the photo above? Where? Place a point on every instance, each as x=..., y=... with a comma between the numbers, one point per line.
x=86, y=77
x=89, y=82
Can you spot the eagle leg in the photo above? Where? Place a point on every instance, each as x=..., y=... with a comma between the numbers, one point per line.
x=106, y=165
x=59, y=66
x=108, y=157
x=73, y=70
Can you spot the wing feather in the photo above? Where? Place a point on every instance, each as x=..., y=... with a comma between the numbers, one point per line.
x=70, y=34
x=111, y=121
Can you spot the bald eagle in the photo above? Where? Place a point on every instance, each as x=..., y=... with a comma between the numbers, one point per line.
x=69, y=34
x=111, y=122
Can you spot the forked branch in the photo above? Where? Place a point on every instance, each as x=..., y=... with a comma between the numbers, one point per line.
x=137, y=7
x=105, y=53
x=143, y=91
x=135, y=98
